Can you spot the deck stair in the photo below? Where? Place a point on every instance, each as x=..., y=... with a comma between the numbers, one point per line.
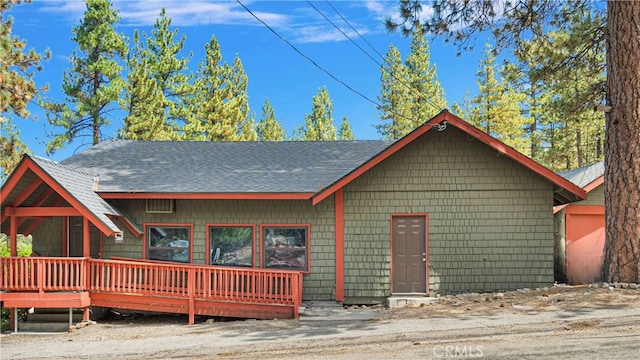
x=50, y=320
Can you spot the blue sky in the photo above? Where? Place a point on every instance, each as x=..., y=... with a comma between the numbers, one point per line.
x=274, y=69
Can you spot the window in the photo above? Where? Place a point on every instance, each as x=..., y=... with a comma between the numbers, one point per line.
x=169, y=243
x=231, y=245
x=285, y=246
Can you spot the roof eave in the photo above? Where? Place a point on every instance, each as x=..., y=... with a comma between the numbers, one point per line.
x=207, y=196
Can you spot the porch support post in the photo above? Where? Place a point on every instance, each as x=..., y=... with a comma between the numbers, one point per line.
x=13, y=234
x=339, y=225
x=86, y=314
x=65, y=236
x=86, y=238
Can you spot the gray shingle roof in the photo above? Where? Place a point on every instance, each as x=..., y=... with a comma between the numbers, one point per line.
x=223, y=167
x=585, y=175
x=79, y=183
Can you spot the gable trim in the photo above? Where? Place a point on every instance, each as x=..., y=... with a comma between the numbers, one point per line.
x=594, y=184
x=446, y=118
x=28, y=164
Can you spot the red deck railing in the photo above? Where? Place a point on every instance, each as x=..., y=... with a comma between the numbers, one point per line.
x=196, y=285
x=42, y=274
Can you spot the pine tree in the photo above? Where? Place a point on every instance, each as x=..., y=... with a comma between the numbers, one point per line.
x=220, y=103
x=143, y=100
x=496, y=109
x=319, y=123
x=395, y=113
x=268, y=128
x=11, y=146
x=17, y=67
x=158, y=85
x=93, y=85
x=345, y=132
x=17, y=87
x=240, y=96
x=213, y=118
x=410, y=92
x=427, y=95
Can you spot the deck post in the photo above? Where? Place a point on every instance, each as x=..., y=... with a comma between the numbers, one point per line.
x=14, y=323
x=297, y=301
x=13, y=235
x=86, y=314
x=191, y=282
x=86, y=238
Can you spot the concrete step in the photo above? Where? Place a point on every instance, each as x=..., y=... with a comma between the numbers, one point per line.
x=50, y=317
x=401, y=301
x=43, y=326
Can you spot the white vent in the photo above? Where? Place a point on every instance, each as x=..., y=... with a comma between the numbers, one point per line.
x=159, y=206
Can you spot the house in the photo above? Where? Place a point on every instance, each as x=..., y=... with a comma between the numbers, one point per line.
x=445, y=209
x=580, y=230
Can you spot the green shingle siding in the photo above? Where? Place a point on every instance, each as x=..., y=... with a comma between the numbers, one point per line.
x=490, y=223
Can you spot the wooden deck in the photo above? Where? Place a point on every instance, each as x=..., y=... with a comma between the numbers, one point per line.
x=134, y=284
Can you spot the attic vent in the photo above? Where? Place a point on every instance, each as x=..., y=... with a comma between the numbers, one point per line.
x=159, y=206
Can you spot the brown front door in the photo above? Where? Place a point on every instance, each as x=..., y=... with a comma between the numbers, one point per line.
x=409, y=251
x=75, y=238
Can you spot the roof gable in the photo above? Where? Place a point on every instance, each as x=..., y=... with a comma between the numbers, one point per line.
x=75, y=186
x=565, y=191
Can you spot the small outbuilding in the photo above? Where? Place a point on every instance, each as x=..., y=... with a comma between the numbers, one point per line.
x=579, y=228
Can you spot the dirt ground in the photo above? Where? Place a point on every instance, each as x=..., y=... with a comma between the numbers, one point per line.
x=383, y=333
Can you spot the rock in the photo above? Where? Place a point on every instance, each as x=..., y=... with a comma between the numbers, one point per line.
x=604, y=285
x=210, y=321
x=625, y=285
x=498, y=295
x=633, y=286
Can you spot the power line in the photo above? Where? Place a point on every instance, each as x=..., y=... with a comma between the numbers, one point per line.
x=402, y=81
x=307, y=57
x=354, y=29
x=343, y=33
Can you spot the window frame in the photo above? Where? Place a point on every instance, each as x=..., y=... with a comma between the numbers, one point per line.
x=146, y=245
x=307, y=250
x=208, y=242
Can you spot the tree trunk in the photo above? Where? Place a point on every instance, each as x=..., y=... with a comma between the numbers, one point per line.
x=622, y=144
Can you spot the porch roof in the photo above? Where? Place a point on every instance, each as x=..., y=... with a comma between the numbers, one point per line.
x=74, y=188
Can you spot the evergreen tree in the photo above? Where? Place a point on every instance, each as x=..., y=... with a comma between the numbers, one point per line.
x=144, y=100
x=346, y=133
x=410, y=92
x=319, y=123
x=214, y=116
x=395, y=113
x=496, y=108
x=11, y=146
x=240, y=102
x=220, y=101
x=93, y=85
x=17, y=87
x=268, y=128
x=158, y=86
x=427, y=95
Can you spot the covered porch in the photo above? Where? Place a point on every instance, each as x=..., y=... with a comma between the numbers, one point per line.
x=75, y=276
